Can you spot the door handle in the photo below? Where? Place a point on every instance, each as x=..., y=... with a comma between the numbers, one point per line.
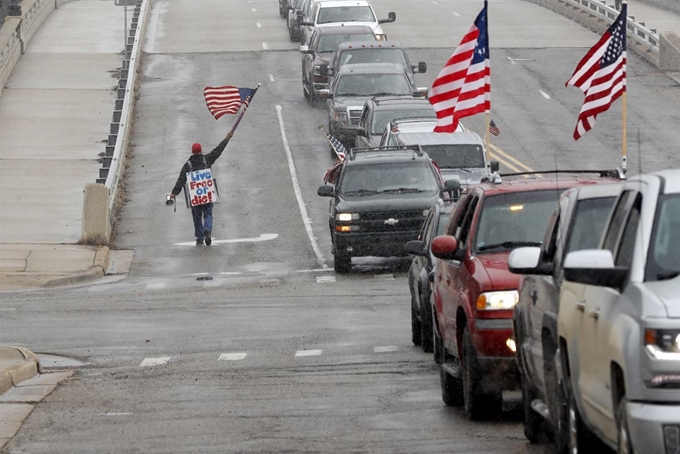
x=534, y=297
x=595, y=313
x=581, y=306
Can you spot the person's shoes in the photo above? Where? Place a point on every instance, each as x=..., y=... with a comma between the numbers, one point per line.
x=208, y=240
x=199, y=242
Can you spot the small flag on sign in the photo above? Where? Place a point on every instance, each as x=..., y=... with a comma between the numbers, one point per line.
x=227, y=99
x=336, y=145
x=493, y=129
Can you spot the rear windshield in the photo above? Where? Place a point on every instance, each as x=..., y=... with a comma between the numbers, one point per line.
x=329, y=43
x=514, y=219
x=389, y=177
x=373, y=85
x=459, y=156
x=372, y=55
x=345, y=14
x=383, y=117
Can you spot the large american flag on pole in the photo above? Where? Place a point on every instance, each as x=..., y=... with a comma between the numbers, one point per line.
x=601, y=74
x=226, y=99
x=463, y=87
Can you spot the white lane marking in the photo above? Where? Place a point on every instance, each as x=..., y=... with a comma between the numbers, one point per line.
x=265, y=46
x=232, y=356
x=456, y=14
x=316, y=270
x=254, y=10
x=308, y=353
x=262, y=237
x=259, y=25
x=198, y=274
x=298, y=193
x=148, y=362
x=512, y=61
x=545, y=95
x=324, y=279
x=386, y=349
x=155, y=286
x=271, y=77
x=108, y=413
x=384, y=277
x=230, y=273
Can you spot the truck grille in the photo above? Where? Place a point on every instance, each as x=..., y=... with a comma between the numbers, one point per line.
x=354, y=116
x=392, y=221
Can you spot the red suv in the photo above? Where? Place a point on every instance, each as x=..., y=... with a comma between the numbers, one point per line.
x=474, y=292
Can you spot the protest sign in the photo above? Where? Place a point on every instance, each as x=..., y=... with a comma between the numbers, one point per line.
x=201, y=188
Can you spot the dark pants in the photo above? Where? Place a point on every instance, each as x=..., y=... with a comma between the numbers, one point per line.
x=203, y=218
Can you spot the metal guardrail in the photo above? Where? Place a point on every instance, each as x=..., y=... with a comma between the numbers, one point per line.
x=647, y=37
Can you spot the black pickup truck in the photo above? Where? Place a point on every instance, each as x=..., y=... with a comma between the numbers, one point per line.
x=380, y=200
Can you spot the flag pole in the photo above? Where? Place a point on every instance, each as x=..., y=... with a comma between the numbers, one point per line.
x=624, y=156
x=238, y=120
x=487, y=138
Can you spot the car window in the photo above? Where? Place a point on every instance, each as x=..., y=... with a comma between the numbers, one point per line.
x=388, y=177
x=329, y=43
x=383, y=117
x=457, y=156
x=663, y=260
x=372, y=85
x=624, y=253
x=426, y=229
x=516, y=217
x=345, y=14
x=463, y=228
x=588, y=223
x=616, y=223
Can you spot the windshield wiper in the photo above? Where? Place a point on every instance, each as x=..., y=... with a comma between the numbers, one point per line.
x=666, y=276
x=349, y=94
x=361, y=192
x=403, y=190
x=507, y=245
x=385, y=93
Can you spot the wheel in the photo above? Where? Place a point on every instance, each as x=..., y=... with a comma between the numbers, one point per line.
x=557, y=403
x=580, y=437
x=426, y=336
x=415, y=326
x=624, y=444
x=342, y=263
x=536, y=428
x=452, y=389
x=477, y=404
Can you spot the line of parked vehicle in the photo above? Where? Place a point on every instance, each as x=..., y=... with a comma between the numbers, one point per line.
x=564, y=286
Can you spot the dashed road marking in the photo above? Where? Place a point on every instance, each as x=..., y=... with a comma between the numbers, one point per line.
x=544, y=94
x=148, y=362
x=300, y=353
x=259, y=25
x=456, y=14
x=232, y=356
x=109, y=413
x=265, y=46
x=230, y=273
x=155, y=286
x=254, y=10
x=325, y=279
x=384, y=277
x=317, y=270
x=271, y=77
x=386, y=349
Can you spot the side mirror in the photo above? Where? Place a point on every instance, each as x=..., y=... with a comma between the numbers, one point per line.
x=453, y=188
x=415, y=247
x=326, y=191
x=421, y=68
x=323, y=69
x=595, y=267
x=308, y=24
x=305, y=49
x=526, y=260
x=299, y=13
x=444, y=247
x=495, y=166
x=325, y=93
x=391, y=17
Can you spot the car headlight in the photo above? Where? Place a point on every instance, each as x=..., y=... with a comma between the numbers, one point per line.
x=495, y=301
x=346, y=217
x=663, y=343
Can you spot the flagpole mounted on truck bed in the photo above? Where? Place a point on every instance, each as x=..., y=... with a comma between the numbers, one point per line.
x=245, y=106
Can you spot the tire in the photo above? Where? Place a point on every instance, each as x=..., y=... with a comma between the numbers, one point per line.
x=426, y=335
x=623, y=443
x=438, y=343
x=342, y=263
x=477, y=405
x=580, y=438
x=291, y=34
x=557, y=404
x=452, y=389
x=536, y=428
x=415, y=326
x=311, y=97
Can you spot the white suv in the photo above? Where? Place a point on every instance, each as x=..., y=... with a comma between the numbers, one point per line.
x=343, y=12
x=619, y=325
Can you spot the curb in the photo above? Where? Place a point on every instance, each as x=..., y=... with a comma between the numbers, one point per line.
x=98, y=270
x=27, y=366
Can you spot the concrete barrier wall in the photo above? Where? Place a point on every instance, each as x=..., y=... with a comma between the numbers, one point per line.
x=33, y=14
x=673, y=5
x=10, y=48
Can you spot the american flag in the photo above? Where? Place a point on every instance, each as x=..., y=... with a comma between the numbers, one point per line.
x=493, y=129
x=463, y=87
x=336, y=145
x=601, y=74
x=227, y=99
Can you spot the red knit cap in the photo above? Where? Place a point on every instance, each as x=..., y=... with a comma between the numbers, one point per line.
x=196, y=148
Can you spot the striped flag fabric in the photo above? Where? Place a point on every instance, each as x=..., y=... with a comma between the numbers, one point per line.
x=601, y=74
x=463, y=86
x=493, y=129
x=226, y=99
x=336, y=145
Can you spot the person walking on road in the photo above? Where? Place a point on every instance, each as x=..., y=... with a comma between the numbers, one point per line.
x=202, y=214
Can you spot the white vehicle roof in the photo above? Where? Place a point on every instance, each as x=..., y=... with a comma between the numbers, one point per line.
x=441, y=138
x=413, y=125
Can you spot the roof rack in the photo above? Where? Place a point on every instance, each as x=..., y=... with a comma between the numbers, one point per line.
x=414, y=148
x=607, y=173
